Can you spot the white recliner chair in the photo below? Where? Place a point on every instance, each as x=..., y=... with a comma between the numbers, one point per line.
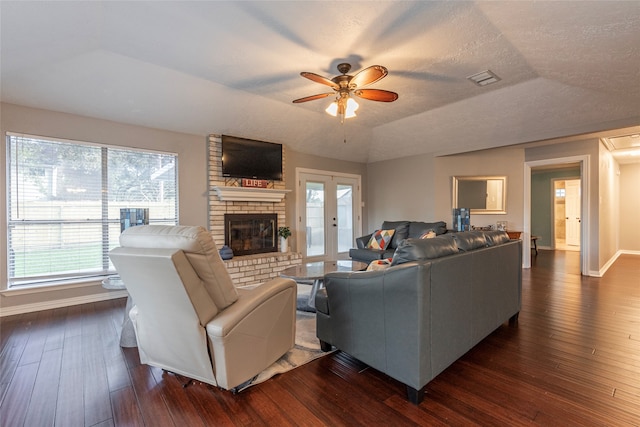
x=188, y=316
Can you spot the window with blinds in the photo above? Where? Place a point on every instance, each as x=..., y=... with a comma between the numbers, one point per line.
x=64, y=200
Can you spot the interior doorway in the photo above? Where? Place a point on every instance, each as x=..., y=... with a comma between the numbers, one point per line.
x=566, y=214
x=585, y=176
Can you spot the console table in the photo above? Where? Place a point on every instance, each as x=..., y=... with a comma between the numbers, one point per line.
x=517, y=235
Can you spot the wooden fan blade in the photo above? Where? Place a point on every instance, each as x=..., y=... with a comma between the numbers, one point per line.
x=312, y=97
x=319, y=79
x=376, y=95
x=367, y=76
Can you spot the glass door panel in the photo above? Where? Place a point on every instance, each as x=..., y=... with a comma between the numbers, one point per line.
x=344, y=198
x=315, y=218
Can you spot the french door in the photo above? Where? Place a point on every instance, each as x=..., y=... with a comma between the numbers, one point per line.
x=328, y=214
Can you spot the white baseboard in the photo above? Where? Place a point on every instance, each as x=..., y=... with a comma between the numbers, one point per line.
x=626, y=252
x=47, y=305
x=609, y=263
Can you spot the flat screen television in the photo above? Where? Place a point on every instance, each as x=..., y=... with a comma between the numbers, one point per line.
x=247, y=158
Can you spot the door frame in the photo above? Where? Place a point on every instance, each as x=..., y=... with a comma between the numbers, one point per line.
x=301, y=196
x=585, y=184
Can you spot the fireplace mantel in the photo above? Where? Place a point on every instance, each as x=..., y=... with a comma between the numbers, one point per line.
x=249, y=194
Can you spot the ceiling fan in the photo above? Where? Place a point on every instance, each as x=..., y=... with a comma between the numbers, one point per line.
x=346, y=85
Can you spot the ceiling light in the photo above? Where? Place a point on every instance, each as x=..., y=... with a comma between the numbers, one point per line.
x=332, y=109
x=352, y=106
x=484, y=78
x=344, y=106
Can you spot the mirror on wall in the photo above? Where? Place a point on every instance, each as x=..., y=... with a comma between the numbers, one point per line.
x=481, y=194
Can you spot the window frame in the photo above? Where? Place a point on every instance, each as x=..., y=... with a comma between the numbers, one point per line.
x=55, y=280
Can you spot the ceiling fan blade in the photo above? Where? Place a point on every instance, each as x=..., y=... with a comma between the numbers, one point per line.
x=376, y=95
x=319, y=79
x=367, y=76
x=312, y=97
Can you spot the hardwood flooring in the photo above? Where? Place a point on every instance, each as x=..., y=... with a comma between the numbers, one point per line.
x=573, y=359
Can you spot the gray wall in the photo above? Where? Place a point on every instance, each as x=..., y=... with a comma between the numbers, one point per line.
x=420, y=188
x=542, y=202
x=499, y=162
x=295, y=160
x=192, y=170
x=400, y=189
x=413, y=188
x=192, y=176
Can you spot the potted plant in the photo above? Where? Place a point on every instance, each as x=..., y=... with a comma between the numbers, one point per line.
x=284, y=233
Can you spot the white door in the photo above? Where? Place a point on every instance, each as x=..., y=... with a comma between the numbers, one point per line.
x=572, y=212
x=328, y=214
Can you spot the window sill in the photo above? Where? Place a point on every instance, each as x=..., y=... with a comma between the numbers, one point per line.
x=34, y=289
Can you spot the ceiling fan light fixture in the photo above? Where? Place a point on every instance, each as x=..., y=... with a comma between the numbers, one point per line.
x=345, y=107
x=345, y=85
x=352, y=107
x=332, y=109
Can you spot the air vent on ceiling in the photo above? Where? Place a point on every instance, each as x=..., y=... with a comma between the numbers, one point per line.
x=484, y=78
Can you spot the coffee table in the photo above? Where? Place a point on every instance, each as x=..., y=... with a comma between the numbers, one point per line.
x=315, y=271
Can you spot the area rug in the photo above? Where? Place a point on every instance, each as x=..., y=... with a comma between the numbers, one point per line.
x=306, y=349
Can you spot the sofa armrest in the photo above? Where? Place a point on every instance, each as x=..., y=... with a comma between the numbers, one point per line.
x=361, y=242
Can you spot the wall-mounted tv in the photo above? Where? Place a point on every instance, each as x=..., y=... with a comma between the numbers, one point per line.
x=247, y=158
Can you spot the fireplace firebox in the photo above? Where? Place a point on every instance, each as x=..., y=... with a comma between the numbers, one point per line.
x=248, y=234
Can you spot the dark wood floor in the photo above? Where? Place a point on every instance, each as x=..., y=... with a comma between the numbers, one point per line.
x=572, y=360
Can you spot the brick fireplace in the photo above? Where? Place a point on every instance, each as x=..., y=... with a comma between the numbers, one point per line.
x=245, y=269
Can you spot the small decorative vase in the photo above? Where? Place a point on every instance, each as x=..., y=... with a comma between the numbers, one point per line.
x=226, y=252
x=284, y=245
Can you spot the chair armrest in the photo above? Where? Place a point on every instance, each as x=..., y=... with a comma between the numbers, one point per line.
x=250, y=301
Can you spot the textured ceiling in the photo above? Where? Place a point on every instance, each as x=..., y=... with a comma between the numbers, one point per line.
x=233, y=67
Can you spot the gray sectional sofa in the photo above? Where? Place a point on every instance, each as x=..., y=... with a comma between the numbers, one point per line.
x=403, y=230
x=439, y=298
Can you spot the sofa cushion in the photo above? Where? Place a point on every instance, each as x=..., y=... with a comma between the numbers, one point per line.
x=380, y=239
x=416, y=228
x=470, y=240
x=402, y=231
x=423, y=249
x=368, y=255
x=496, y=237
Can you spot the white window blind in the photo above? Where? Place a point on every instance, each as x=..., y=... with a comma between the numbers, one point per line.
x=64, y=200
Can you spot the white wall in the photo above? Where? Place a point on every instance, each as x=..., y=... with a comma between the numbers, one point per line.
x=192, y=180
x=629, y=224
x=609, y=206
